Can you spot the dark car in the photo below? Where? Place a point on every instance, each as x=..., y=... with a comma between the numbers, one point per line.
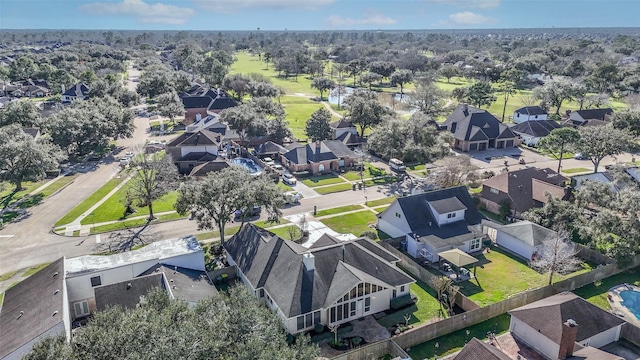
x=247, y=213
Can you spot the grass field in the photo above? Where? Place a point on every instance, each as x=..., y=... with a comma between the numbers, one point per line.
x=575, y=170
x=338, y=210
x=380, y=209
x=58, y=184
x=596, y=293
x=120, y=225
x=90, y=201
x=7, y=276
x=283, y=232
x=334, y=188
x=383, y=201
x=8, y=196
x=354, y=223
x=500, y=274
x=34, y=269
x=321, y=180
x=426, y=308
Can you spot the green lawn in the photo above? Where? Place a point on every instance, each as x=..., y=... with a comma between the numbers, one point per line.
x=355, y=175
x=381, y=180
x=453, y=342
x=338, y=210
x=383, y=201
x=321, y=180
x=34, y=269
x=596, y=293
x=266, y=224
x=500, y=274
x=246, y=64
x=7, y=276
x=228, y=232
x=426, y=308
x=299, y=110
x=334, y=188
x=380, y=209
x=354, y=223
x=8, y=196
x=58, y=184
x=575, y=170
x=134, y=223
x=493, y=216
x=283, y=232
x=88, y=202
x=284, y=186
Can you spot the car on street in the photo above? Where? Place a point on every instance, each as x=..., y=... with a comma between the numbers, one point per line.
x=578, y=156
x=289, y=179
x=292, y=197
x=248, y=213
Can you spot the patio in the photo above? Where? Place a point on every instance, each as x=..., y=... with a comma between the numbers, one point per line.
x=454, y=267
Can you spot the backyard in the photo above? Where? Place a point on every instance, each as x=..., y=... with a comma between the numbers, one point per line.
x=426, y=308
x=596, y=293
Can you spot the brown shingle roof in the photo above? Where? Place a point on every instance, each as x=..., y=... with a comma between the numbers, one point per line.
x=478, y=350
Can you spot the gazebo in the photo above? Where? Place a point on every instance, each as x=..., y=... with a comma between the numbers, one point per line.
x=458, y=258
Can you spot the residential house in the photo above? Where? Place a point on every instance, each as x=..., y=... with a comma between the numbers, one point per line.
x=522, y=189
x=64, y=294
x=589, y=117
x=329, y=283
x=529, y=113
x=522, y=238
x=270, y=149
x=27, y=88
x=555, y=324
x=346, y=132
x=531, y=131
x=478, y=350
x=602, y=177
x=33, y=131
x=192, y=149
x=79, y=91
x=203, y=101
x=475, y=129
x=318, y=157
x=434, y=222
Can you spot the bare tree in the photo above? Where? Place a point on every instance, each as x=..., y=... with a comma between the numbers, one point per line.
x=155, y=175
x=452, y=171
x=556, y=255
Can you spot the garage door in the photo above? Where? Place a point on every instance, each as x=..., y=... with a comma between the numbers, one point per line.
x=473, y=147
x=341, y=163
x=509, y=143
x=483, y=146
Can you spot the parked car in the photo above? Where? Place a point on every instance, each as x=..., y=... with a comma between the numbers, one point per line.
x=292, y=197
x=289, y=179
x=278, y=168
x=248, y=213
x=269, y=161
x=578, y=156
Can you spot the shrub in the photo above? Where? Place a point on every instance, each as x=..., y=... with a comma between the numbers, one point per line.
x=370, y=234
x=318, y=328
x=401, y=301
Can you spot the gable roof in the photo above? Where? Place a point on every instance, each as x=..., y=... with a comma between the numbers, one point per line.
x=518, y=187
x=531, y=110
x=199, y=138
x=595, y=114
x=270, y=148
x=341, y=124
x=444, y=206
x=421, y=221
x=210, y=166
x=317, y=152
x=197, y=157
x=478, y=350
x=535, y=128
x=187, y=284
x=196, y=102
x=33, y=131
x=269, y=262
x=547, y=316
x=79, y=89
x=466, y=122
x=528, y=232
x=350, y=139
x=126, y=294
x=32, y=308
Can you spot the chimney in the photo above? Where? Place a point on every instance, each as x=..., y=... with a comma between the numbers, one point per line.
x=567, y=339
x=318, y=145
x=465, y=109
x=309, y=261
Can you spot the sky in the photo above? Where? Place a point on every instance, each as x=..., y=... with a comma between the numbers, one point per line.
x=315, y=14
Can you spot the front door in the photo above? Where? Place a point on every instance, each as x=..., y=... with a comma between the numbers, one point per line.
x=360, y=308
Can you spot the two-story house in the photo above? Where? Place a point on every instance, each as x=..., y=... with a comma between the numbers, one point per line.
x=475, y=129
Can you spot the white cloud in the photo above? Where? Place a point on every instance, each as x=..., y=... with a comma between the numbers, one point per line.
x=236, y=5
x=146, y=13
x=375, y=19
x=468, y=18
x=470, y=4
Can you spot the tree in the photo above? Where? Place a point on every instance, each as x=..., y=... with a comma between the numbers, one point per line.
x=480, y=93
x=262, y=89
x=370, y=78
x=22, y=158
x=238, y=84
x=318, y=126
x=449, y=71
x=401, y=77
x=155, y=80
x=214, y=200
x=22, y=68
x=597, y=142
x=228, y=325
x=507, y=88
x=322, y=84
x=154, y=176
x=355, y=68
x=213, y=70
x=278, y=130
x=554, y=92
x=554, y=213
x=383, y=68
x=364, y=109
x=628, y=119
x=558, y=142
x=170, y=105
x=557, y=254
x=453, y=171
x=243, y=119
x=21, y=112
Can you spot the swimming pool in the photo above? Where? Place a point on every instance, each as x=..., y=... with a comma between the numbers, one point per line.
x=248, y=164
x=631, y=300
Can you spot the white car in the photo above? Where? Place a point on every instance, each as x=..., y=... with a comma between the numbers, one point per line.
x=289, y=179
x=292, y=197
x=278, y=168
x=578, y=156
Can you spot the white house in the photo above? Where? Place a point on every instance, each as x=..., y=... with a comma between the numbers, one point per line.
x=529, y=113
x=332, y=282
x=532, y=131
x=553, y=325
x=434, y=221
x=522, y=238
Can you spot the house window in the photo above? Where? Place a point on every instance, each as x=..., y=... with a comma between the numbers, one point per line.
x=394, y=294
x=402, y=288
x=475, y=244
x=316, y=317
x=353, y=308
x=451, y=215
x=81, y=308
x=367, y=304
x=261, y=293
x=308, y=318
x=494, y=191
x=96, y=281
x=300, y=322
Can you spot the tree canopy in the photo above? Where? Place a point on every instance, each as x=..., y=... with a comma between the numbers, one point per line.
x=558, y=142
x=597, y=142
x=364, y=109
x=318, y=126
x=480, y=94
x=21, y=112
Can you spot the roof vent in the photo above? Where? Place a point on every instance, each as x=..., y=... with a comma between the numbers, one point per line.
x=129, y=286
x=55, y=274
x=175, y=269
x=55, y=313
x=21, y=313
x=56, y=292
x=571, y=323
x=171, y=280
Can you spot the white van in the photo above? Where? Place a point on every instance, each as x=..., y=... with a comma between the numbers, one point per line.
x=397, y=165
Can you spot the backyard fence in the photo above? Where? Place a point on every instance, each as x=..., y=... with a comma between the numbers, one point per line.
x=374, y=351
x=631, y=333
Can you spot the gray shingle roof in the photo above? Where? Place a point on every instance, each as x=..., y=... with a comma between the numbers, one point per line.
x=447, y=205
x=478, y=350
x=547, y=316
x=275, y=264
x=528, y=232
x=79, y=89
x=466, y=122
x=126, y=294
x=40, y=299
x=597, y=114
x=317, y=152
x=422, y=222
x=531, y=110
x=187, y=284
x=535, y=128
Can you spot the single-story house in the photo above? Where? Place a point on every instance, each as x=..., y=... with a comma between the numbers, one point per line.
x=531, y=131
x=329, y=283
x=529, y=113
x=589, y=117
x=346, y=132
x=478, y=350
x=65, y=293
x=318, y=157
x=475, y=129
x=435, y=221
x=555, y=324
x=602, y=177
x=79, y=91
x=522, y=189
x=522, y=238
x=270, y=149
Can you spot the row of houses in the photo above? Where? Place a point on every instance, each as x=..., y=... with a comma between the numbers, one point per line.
x=40, y=88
